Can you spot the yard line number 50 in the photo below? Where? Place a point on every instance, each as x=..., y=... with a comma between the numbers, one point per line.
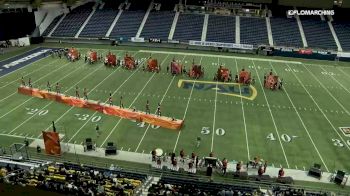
x=218, y=131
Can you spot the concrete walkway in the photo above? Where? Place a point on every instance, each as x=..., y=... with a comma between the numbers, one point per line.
x=299, y=175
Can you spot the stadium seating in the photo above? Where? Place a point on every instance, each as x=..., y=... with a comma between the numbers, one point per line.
x=318, y=34
x=158, y=25
x=52, y=25
x=253, y=31
x=127, y=25
x=72, y=22
x=182, y=186
x=139, y=5
x=189, y=27
x=99, y=23
x=285, y=32
x=342, y=30
x=221, y=29
x=73, y=179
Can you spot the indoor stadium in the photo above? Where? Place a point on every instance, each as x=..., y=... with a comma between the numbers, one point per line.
x=175, y=97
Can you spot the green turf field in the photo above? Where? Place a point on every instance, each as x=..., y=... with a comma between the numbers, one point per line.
x=293, y=128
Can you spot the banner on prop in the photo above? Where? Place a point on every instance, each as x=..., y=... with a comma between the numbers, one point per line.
x=52, y=143
x=221, y=45
x=155, y=40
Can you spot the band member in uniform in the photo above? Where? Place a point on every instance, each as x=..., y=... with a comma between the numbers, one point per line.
x=48, y=86
x=280, y=84
x=167, y=69
x=147, y=108
x=198, y=141
x=77, y=92
x=159, y=113
x=253, y=81
x=58, y=88
x=236, y=78
x=121, y=105
x=23, y=82
x=30, y=83
x=85, y=94
x=110, y=99
x=184, y=69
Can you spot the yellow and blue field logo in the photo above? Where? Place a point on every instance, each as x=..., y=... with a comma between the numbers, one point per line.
x=224, y=88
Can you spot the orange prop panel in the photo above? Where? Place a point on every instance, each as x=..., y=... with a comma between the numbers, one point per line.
x=161, y=121
x=52, y=143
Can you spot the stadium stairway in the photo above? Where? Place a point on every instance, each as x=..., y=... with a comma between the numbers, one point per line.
x=56, y=24
x=205, y=27
x=269, y=32
x=342, y=29
x=335, y=37
x=173, y=26
x=127, y=25
x=253, y=31
x=150, y=7
x=301, y=30
x=113, y=23
x=285, y=32
x=86, y=21
x=238, y=30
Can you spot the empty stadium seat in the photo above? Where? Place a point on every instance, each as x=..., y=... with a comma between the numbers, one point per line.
x=127, y=25
x=285, y=32
x=71, y=24
x=158, y=25
x=52, y=25
x=318, y=34
x=253, y=31
x=99, y=23
x=221, y=29
x=189, y=27
x=342, y=30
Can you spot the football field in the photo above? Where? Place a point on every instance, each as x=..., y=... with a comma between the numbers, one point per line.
x=293, y=128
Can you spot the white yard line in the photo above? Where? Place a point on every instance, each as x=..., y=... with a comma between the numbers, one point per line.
x=161, y=101
x=36, y=70
x=243, y=114
x=44, y=76
x=343, y=72
x=336, y=80
x=302, y=122
x=335, y=99
x=17, y=136
x=188, y=103
x=116, y=125
x=319, y=108
x=73, y=86
x=76, y=132
x=272, y=118
x=214, y=116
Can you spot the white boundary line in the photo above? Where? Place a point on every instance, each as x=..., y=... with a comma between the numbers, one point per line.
x=243, y=114
x=93, y=115
x=161, y=101
x=214, y=116
x=272, y=118
x=336, y=100
x=116, y=125
x=36, y=70
x=59, y=118
x=319, y=108
x=44, y=76
x=53, y=101
x=188, y=103
x=302, y=122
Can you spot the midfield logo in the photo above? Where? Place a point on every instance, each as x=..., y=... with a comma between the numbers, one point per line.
x=229, y=89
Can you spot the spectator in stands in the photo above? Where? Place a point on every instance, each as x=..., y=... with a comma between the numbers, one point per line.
x=281, y=172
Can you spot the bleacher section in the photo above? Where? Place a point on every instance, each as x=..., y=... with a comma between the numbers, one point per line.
x=127, y=25
x=285, y=32
x=167, y=4
x=318, y=34
x=158, y=25
x=253, y=31
x=221, y=29
x=189, y=27
x=72, y=22
x=52, y=25
x=178, y=186
x=99, y=23
x=342, y=29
